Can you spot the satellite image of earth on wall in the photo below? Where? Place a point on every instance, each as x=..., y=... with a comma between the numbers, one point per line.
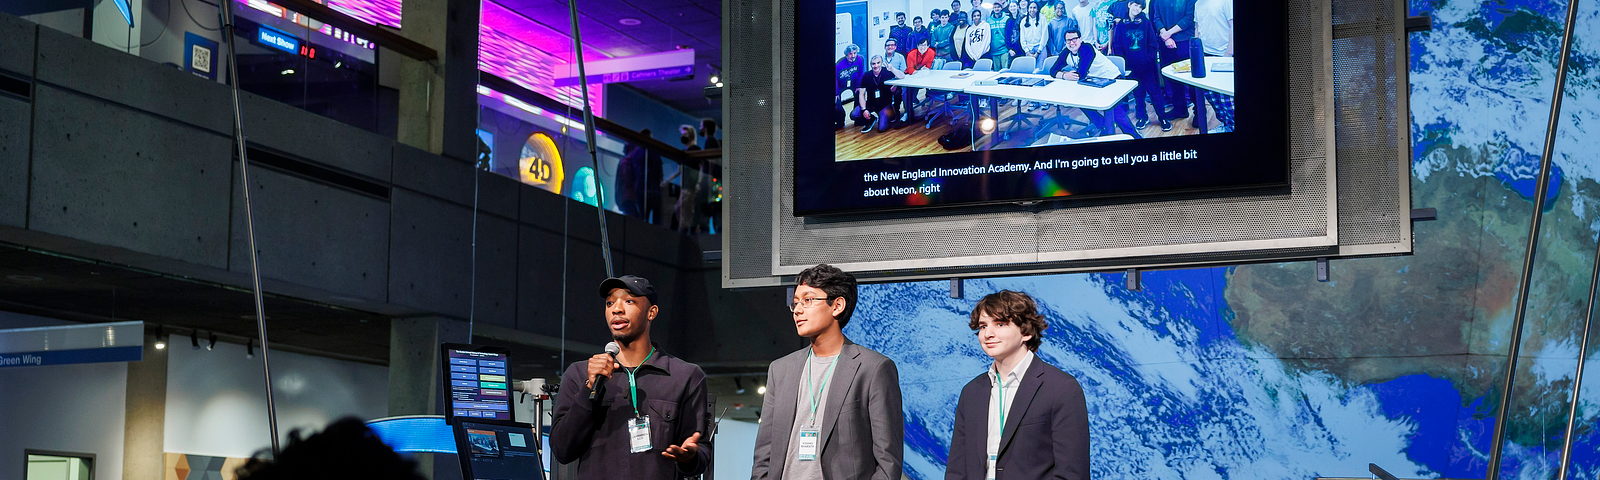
x=1261, y=372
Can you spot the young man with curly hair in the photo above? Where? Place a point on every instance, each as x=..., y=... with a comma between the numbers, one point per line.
x=1020, y=396
x=832, y=410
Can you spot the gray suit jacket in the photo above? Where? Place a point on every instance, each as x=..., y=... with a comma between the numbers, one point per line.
x=863, y=429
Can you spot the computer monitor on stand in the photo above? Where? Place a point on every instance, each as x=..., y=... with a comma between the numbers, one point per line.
x=477, y=382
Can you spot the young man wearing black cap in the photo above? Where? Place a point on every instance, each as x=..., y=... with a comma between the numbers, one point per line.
x=832, y=410
x=648, y=411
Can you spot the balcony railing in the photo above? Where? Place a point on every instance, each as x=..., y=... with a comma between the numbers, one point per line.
x=531, y=137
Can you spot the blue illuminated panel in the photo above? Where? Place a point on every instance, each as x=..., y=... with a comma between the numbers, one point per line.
x=478, y=385
x=275, y=38
x=415, y=434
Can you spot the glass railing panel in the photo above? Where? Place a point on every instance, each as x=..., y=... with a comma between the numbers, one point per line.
x=637, y=176
x=282, y=55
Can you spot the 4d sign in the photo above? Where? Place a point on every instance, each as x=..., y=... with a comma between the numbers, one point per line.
x=541, y=163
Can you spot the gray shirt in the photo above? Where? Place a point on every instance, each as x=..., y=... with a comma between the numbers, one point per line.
x=1055, y=40
x=817, y=370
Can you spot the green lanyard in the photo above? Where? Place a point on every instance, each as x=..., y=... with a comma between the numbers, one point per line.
x=1000, y=399
x=634, y=385
x=825, y=377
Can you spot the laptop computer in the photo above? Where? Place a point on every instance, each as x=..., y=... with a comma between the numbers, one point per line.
x=498, y=450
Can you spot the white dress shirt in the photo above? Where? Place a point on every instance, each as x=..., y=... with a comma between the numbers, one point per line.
x=1006, y=395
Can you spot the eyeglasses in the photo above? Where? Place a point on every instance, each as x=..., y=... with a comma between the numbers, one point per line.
x=805, y=303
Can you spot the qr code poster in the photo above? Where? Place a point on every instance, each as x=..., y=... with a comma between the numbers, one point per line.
x=200, y=59
x=202, y=55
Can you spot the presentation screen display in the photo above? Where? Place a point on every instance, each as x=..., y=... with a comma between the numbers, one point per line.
x=478, y=382
x=929, y=103
x=498, y=451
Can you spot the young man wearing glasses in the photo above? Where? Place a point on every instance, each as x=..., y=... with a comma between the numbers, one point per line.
x=1023, y=418
x=1080, y=60
x=647, y=411
x=832, y=410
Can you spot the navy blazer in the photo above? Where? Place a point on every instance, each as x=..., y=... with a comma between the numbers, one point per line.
x=1046, y=430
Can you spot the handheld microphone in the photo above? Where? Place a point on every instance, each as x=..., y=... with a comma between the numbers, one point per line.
x=613, y=349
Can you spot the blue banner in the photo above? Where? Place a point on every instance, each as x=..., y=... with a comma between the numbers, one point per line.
x=128, y=353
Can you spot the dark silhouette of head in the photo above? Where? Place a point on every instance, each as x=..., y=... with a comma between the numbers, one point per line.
x=346, y=449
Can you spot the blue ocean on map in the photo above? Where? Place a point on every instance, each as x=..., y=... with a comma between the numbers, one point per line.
x=1258, y=372
x=1172, y=393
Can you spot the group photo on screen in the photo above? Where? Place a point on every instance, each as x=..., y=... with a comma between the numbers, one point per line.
x=926, y=77
x=485, y=443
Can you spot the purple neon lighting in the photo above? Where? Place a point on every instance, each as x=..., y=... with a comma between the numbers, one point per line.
x=518, y=49
x=276, y=10
x=376, y=12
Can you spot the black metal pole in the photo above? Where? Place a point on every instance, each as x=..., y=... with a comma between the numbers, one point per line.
x=1577, y=376
x=1503, y=410
x=588, y=132
x=249, y=217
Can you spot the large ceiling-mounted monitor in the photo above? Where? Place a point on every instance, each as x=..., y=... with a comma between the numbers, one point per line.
x=1315, y=165
x=1058, y=120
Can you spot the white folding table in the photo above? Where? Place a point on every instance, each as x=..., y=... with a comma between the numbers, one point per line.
x=1066, y=93
x=1220, y=82
x=941, y=80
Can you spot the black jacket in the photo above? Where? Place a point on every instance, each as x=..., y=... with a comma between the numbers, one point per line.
x=671, y=391
x=1046, y=433
x=1135, y=40
x=1086, y=55
x=1169, y=13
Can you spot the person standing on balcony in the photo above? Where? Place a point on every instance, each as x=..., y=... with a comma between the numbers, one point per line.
x=652, y=185
x=628, y=189
x=708, y=129
x=686, y=137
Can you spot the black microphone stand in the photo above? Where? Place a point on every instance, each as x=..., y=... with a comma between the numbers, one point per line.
x=549, y=390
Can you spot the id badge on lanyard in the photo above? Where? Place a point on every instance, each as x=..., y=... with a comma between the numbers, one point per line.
x=639, y=425
x=809, y=440
x=808, y=443
x=639, y=434
x=992, y=459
